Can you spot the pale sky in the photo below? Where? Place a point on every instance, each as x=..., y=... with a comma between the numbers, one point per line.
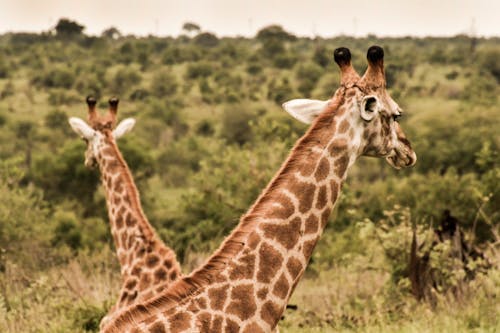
x=325, y=18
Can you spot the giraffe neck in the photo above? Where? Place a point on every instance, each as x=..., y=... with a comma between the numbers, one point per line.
x=129, y=225
x=257, y=267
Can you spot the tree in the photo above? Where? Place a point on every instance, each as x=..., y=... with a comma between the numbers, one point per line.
x=164, y=84
x=275, y=32
x=206, y=39
x=112, y=33
x=68, y=28
x=191, y=28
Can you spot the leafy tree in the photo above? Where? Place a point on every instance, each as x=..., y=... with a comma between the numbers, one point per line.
x=164, y=84
x=274, y=32
x=57, y=119
x=124, y=79
x=191, y=27
x=199, y=69
x=321, y=56
x=206, y=39
x=112, y=33
x=308, y=75
x=236, y=124
x=488, y=60
x=68, y=28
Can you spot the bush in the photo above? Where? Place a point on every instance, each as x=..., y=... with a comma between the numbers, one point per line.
x=281, y=92
x=124, y=79
x=164, y=84
x=59, y=77
x=206, y=39
x=308, y=75
x=236, y=124
x=66, y=231
x=199, y=69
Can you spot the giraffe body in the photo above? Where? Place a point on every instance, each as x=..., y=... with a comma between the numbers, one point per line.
x=147, y=265
x=246, y=284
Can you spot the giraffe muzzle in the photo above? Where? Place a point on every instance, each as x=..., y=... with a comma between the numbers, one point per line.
x=402, y=157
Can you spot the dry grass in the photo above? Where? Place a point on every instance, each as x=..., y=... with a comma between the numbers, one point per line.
x=72, y=297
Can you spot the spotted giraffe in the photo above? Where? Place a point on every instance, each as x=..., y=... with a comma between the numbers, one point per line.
x=148, y=266
x=245, y=285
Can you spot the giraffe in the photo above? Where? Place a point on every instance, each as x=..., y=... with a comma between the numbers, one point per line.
x=245, y=285
x=147, y=264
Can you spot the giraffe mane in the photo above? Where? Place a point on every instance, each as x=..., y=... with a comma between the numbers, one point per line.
x=192, y=284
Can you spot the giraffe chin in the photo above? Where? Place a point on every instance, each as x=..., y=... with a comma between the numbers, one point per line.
x=403, y=158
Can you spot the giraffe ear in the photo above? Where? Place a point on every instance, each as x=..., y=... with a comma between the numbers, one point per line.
x=305, y=110
x=369, y=107
x=81, y=128
x=123, y=128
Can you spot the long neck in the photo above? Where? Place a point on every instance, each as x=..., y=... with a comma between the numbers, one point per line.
x=129, y=225
x=265, y=256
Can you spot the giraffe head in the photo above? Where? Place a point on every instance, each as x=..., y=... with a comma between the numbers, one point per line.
x=100, y=128
x=370, y=111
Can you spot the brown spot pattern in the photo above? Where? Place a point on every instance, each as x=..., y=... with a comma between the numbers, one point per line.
x=179, y=322
x=322, y=197
x=244, y=269
x=202, y=303
x=131, y=283
x=217, y=324
x=341, y=165
x=204, y=320
x=262, y=293
x=281, y=287
x=136, y=271
x=270, y=313
x=152, y=260
x=242, y=302
x=324, y=217
x=231, y=327
x=334, y=190
x=119, y=221
x=160, y=274
x=286, y=234
x=270, y=262
x=284, y=211
x=311, y=224
x=130, y=220
x=308, y=248
x=217, y=297
x=144, y=281
x=337, y=147
x=344, y=126
x=323, y=169
x=253, y=240
x=294, y=267
x=253, y=328
x=304, y=193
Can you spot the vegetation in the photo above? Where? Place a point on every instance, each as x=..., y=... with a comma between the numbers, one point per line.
x=210, y=135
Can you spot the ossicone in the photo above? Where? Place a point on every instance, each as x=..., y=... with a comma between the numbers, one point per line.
x=348, y=75
x=91, y=101
x=113, y=104
x=374, y=76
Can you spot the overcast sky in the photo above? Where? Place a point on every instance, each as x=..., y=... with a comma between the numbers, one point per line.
x=236, y=17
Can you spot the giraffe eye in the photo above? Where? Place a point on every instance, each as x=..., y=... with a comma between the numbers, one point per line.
x=396, y=117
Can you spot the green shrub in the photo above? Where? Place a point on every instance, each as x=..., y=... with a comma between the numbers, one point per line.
x=164, y=84
x=199, y=69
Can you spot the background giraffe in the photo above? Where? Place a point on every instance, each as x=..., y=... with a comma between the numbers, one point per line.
x=147, y=264
x=246, y=284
